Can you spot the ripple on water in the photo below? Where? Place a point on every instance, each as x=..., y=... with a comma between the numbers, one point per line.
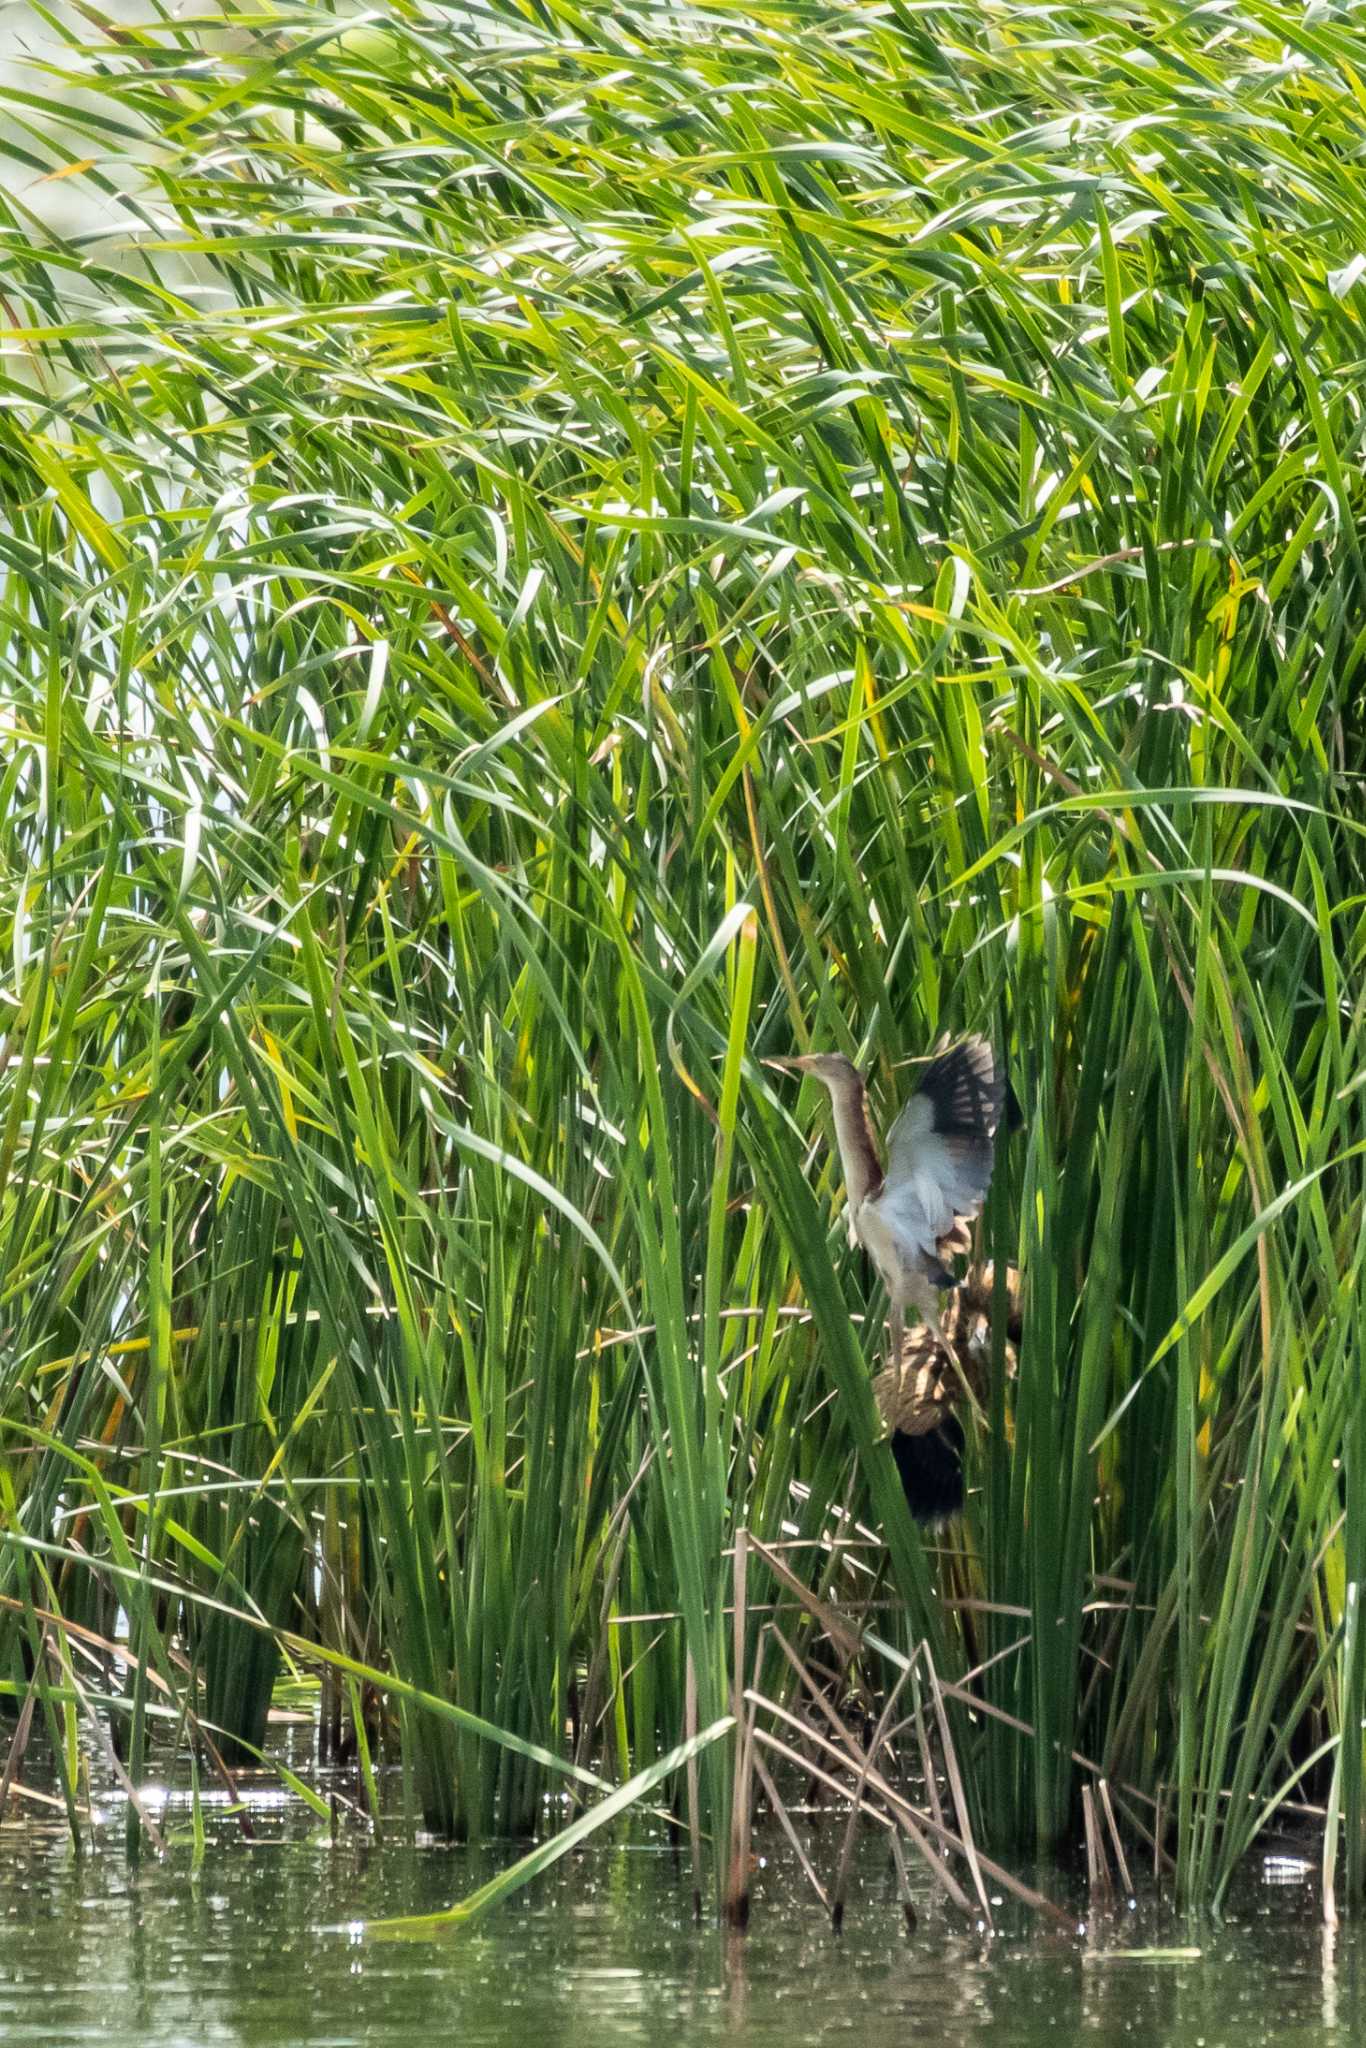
x=268, y=1946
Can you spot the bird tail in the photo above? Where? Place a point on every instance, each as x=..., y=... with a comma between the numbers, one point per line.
x=931, y=1469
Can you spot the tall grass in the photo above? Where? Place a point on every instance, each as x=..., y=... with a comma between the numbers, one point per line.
x=552, y=552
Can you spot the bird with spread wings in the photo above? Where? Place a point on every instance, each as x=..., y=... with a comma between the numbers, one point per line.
x=915, y=1215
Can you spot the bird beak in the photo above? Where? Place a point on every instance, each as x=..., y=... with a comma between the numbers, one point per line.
x=795, y=1066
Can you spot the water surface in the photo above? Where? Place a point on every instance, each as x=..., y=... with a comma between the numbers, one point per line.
x=265, y=1947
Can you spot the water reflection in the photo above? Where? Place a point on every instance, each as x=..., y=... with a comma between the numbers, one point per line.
x=265, y=1948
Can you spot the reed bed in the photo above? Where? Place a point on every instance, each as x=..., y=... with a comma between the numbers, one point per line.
x=552, y=552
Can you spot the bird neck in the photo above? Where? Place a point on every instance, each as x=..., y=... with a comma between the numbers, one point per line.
x=854, y=1136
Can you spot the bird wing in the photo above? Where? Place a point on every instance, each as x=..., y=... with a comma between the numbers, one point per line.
x=940, y=1149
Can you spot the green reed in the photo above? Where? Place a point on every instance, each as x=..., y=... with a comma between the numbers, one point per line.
x=550, y=554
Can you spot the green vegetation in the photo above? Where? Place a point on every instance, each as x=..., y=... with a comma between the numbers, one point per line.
x=552, y=552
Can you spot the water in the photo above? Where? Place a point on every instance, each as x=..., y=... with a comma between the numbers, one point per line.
x=265, y=1947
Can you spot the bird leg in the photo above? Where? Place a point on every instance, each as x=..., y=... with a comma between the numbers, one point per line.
x=926, y=1299
x=897, y=1321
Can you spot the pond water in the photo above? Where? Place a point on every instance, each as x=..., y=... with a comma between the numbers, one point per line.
x=265, y=1947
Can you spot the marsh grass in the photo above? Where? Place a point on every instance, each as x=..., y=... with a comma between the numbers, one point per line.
x=550, y=554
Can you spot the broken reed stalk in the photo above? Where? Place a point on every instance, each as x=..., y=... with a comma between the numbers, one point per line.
x=901, y=1812
x=928, y=1772
x=956, y=1787
x=918, y=1823
x=856, y=1801
x=22, y=1730
x=779, y=1807
x=1116, y=1845
x=1097, y=1870
x=847, y=1639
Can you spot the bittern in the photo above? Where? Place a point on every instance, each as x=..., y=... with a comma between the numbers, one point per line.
x=918, y=1397
x=915, y=1216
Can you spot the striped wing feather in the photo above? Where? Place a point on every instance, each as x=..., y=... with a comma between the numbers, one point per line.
x=940, y=1149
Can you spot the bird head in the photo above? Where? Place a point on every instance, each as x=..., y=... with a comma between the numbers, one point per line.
x=831, y=1067
x=853, y=1132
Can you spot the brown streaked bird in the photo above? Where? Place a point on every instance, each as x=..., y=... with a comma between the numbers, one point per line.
x=918, y=1398
x=915, y=1215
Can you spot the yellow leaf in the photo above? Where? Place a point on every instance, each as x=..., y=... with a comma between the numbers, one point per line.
x=276, y=1058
